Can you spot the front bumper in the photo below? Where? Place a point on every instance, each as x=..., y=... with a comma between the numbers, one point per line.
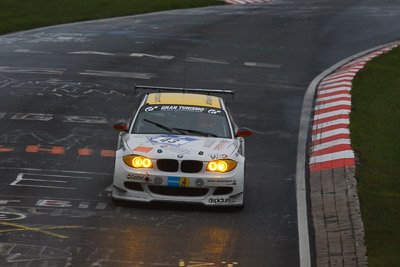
x=207, y=188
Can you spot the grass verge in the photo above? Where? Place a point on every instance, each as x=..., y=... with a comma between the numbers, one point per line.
x=375, y=137
x=17, y=15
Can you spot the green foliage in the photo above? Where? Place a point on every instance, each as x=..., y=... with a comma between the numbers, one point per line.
x=16, y=15
x=375, y=136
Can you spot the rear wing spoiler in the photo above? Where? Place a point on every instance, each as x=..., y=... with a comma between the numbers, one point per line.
x=184, y=90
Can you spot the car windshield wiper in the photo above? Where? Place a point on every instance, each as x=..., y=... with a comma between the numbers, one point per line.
x=159, y=125
x=165, y=127
x=195, y=132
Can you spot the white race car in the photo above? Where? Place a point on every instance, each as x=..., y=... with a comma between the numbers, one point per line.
x=180, y=147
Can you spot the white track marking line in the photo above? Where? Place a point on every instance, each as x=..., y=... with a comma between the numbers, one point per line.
x=204, y=60
x=20, y=178
x=91, y=53
x=62, y=171
x=152, y=56
x=6, y=201
x=28, y=51
x=5, y=69
x=133, y=75
x=263, y=65
x=84, y=205
x=101, y=206
x=61, y=176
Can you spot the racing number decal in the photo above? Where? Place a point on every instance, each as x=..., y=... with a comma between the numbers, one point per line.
x=171, y=140
x=175, y=141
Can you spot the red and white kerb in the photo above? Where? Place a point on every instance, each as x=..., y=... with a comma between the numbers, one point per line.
x=330, y=137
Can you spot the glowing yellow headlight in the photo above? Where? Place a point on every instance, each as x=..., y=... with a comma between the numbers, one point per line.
x=212, y=166
x=147, y=163
x=136, y=161
x=223, y=165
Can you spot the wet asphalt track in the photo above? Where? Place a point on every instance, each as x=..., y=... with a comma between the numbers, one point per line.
x=62, y=87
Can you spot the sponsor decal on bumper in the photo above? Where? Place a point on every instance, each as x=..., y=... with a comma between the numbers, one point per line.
x=175, y=181
x=220, y=200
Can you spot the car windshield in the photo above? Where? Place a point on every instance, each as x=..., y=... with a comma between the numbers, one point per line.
x=179, y=119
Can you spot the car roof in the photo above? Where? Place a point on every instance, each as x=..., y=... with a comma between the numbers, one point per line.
x=183, y=99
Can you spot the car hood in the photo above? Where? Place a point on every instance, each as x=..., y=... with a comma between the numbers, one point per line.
x=182, y=147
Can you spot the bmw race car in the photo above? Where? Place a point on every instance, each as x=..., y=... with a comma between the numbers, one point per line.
x=180, y=147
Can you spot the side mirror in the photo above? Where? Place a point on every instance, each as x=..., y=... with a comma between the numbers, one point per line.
x=243, y=132
x=121, y=126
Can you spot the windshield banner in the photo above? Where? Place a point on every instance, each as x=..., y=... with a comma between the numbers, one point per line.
x=212, y=111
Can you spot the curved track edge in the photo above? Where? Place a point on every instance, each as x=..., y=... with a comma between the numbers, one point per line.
x=328, y=244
